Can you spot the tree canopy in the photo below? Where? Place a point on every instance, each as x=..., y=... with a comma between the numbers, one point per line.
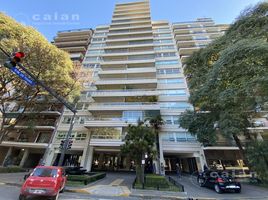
x=229, y=79
x=50, y=64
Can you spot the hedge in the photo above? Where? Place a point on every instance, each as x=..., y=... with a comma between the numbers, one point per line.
x=86, y=179
x=12, y=169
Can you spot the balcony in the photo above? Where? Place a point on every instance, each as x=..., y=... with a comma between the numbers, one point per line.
x=151, y=70
x=124, y=93
x=106, y=122
x=191, y=43
x=127, y=81
x=32, y=140
x=124, y=106
x=128, y=61
x=129, y=32
x=189, y=50
x=127, y=52
x=132, y=38
x=131, y=27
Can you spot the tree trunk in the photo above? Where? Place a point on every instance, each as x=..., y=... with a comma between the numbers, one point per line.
x=138, y=172
x=241, y=149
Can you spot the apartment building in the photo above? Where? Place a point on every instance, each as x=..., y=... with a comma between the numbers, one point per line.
x=193, y=35
x=137, y=74
x=75, y=42
x=26, y=143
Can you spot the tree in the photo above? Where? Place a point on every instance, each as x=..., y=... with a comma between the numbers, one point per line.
x=44, y=60
x=228, y=80
x=257, y=154
x=140, y=139
x=156, y=123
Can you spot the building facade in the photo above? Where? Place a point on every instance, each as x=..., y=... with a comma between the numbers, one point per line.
x=137, y=73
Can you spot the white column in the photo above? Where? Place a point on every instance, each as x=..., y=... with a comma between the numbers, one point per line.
x=162, y=160
x=49, y=157
x=89, y=158
x=9, y=152
x=24, y=157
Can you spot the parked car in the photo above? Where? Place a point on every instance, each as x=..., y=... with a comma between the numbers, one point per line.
x=220, y=181
x=46, y=181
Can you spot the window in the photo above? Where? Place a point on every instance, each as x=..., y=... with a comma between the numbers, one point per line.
x=162, y=29
x=80, y=136
x=163, y=35
x=164, y=47
x=67, y=120
x=162, y=41
x=171, y=81
x=91, y=65
x=100, y=34
x=98, y=39
x=97, y=45
x=168, y=71
x=167, y=62
x=133, y=115
x=168, y=54
x=168, y=137
x=93, y=58
x=180, y=92
x=171, y=119
x=95, y=51
x=175, y=105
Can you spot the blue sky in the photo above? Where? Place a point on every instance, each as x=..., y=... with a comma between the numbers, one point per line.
x=50, y=16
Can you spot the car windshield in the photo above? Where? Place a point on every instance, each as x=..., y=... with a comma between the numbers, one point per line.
x=44, y=172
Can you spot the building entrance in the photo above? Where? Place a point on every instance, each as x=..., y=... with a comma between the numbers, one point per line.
x=186, y=164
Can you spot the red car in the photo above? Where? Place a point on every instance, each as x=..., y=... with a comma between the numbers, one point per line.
x=46, y=181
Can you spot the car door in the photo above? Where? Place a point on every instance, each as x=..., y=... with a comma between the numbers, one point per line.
x=211, y=179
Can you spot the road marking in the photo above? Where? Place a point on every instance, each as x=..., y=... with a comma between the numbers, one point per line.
x=116, y=182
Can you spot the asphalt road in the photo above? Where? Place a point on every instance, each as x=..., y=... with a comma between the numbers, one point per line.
x=12, y=193
x=248, y=191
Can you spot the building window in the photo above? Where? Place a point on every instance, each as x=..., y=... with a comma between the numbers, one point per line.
x=168, y=71
x=164, y=47
x=171, y=81
x=179, y=92
x=162, y=41
x=168, y=54
x=171, y=119
x=175, y=105
x=167, y=62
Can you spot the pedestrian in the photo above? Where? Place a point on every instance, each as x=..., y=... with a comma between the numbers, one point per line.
x=178, y=170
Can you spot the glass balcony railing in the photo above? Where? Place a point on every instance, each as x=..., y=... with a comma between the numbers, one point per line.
x=123, y=103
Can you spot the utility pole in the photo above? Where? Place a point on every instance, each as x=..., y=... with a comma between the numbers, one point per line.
x=32, y=80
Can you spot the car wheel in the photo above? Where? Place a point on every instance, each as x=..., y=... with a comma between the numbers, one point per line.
x=62, y=190
x=217, y=189
x=22, y=197
x=201, y=182
x=56, y=197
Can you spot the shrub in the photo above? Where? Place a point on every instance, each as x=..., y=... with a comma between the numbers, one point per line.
x=86, y=179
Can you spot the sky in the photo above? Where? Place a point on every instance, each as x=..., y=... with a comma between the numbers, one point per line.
x=51, y=16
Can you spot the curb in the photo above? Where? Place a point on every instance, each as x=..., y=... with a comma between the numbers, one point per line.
x=155, y=196
x=11, y=184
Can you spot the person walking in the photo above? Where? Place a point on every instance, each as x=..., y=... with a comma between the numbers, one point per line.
x=178, y=170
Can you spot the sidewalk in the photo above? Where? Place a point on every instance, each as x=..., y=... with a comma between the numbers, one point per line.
x=15, y=179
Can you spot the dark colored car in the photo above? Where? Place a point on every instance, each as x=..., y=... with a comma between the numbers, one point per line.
x=44, y=181
x=220, y=181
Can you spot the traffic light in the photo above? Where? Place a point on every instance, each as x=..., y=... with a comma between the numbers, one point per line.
x=70, y=143
x=62, y=144
x=14, y=59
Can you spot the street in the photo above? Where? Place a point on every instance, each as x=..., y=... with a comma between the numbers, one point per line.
x=101, y=190
x=194, y=190
x=12, y=193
